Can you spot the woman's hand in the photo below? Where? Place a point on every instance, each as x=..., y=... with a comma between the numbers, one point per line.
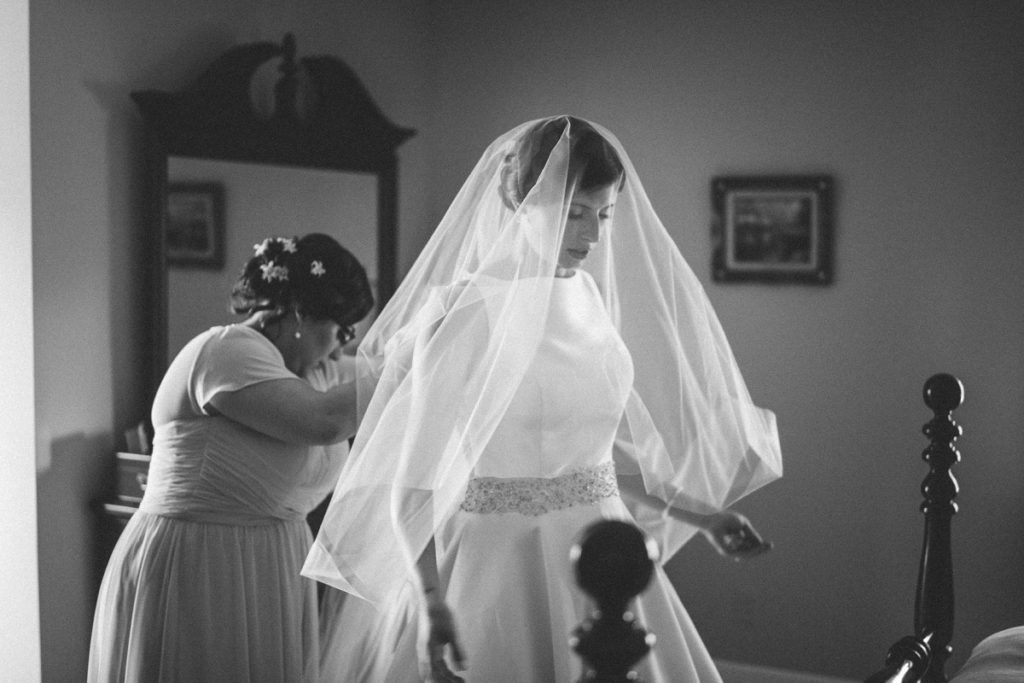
x=441, y=634
x=732, y=535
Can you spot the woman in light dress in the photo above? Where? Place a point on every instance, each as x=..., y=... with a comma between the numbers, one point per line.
x=250, y=427
x=549, y=361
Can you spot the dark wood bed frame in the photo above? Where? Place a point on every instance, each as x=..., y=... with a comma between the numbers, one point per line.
x=922, y=656
x=613, y=565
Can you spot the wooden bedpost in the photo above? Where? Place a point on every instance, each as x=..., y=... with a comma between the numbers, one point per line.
x=933, y=609
x=614, y=562
x=922, y=656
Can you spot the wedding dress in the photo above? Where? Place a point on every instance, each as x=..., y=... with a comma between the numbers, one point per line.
x=503, y=556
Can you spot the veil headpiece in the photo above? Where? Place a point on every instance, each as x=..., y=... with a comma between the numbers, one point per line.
x=441, y=363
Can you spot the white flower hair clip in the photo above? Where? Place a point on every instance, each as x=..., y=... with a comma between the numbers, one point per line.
x=286, y=243
x=317, y=268
x=273, y=272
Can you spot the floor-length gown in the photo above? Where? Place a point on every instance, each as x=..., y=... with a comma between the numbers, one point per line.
x=204, y=583
x=503, y=557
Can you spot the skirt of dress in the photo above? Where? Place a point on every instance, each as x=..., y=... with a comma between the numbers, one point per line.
x=198, y=601
x=510, y=583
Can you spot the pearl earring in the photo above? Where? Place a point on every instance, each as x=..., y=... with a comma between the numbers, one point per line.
x=298, y=330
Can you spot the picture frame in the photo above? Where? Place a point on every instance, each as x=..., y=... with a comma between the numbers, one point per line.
x=194, y=229
x=772, y=228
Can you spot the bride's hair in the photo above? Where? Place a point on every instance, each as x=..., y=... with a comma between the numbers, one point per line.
x=593, y=162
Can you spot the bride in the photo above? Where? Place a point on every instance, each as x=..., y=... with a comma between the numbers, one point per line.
x=549, y=361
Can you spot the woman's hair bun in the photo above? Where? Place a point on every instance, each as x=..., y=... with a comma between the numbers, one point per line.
x=313, y=274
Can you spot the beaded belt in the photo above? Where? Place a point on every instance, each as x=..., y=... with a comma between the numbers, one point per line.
x=535, y=495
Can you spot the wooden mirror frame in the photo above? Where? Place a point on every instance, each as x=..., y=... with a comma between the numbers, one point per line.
x=339, y=128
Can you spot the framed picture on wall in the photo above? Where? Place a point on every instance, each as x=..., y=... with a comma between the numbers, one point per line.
x=195, y=225
x=772, y=228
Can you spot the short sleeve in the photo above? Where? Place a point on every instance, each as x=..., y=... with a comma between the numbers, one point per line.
x=237, y=358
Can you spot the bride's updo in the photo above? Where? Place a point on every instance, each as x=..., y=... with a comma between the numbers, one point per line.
x=312, y=275
x=593, y=162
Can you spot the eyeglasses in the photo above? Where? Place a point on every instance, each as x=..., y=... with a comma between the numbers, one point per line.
x=346, y=333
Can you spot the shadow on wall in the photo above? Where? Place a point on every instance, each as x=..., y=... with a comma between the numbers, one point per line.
x=73, y=547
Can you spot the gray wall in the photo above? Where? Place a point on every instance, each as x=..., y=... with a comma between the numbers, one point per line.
x=913, y=106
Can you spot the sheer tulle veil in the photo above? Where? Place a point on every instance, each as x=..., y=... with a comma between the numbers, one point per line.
x=439, y=366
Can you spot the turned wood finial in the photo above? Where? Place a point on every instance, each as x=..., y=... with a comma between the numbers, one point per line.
x=942, y=393
x=933, y=609
x=614, y=562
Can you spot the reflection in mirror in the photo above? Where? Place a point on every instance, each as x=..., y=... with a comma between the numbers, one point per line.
x=263, y=200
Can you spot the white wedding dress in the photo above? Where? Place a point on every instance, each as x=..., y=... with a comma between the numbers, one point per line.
x=503, y=557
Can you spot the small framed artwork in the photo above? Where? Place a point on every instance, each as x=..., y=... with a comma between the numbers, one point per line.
x=772, y=228
x=195, y=225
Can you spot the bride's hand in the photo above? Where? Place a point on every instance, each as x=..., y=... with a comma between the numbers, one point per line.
x=732, y=535
x=441, y=635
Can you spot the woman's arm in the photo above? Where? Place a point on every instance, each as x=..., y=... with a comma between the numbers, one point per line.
x=631, y=486
x=728, y=532
x=292, y=410
x=440, y=627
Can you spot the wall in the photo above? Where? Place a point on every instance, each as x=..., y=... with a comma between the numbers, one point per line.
x=915, y=108
x=19, y=582
x=88, y=237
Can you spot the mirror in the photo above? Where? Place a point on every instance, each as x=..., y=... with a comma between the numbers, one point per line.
x=260, y=144
x=254, y=201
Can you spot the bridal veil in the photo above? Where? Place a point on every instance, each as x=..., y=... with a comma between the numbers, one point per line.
x=441, y=363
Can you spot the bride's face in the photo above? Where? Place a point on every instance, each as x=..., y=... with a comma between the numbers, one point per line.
x=590, y=216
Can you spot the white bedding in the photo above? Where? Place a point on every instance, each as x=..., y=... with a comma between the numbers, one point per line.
x=999, y=657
